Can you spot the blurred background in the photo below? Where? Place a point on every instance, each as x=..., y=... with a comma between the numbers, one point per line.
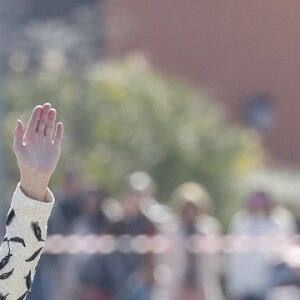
x=181, y=120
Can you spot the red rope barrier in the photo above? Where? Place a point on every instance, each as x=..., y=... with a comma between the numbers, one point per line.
x=90, y=244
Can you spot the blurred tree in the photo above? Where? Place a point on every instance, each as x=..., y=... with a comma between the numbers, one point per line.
x=123, y=116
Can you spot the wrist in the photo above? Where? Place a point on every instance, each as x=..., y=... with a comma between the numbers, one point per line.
x=34, y=187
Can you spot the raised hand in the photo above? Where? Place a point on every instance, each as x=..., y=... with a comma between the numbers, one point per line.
x=37, y=150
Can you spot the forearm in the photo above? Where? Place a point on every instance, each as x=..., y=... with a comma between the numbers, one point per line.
x=20, y=251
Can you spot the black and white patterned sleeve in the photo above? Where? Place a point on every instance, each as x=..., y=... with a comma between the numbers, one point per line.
x=26, y=228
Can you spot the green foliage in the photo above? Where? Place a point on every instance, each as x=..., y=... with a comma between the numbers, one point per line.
x=123, y=116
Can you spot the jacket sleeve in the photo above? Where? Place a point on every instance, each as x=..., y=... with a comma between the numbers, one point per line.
x=26, y=227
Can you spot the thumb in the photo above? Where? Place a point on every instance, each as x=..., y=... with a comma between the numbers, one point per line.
x=18, y=134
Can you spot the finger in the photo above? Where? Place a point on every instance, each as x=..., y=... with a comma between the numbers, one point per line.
x=59, y=132
x=43, y=118
x=34, y=120
x=19, y=134
x=49, y=131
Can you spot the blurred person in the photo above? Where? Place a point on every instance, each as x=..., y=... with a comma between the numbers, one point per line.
x=37, y=150
x=133, y=272
x=84, y=276
x=193, y=275
x=248, y=274
x=67, y=206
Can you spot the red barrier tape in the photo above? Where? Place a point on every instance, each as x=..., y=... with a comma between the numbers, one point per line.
x=90, y=244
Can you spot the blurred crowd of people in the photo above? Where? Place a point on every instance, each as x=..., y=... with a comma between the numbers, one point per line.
x=176, y=274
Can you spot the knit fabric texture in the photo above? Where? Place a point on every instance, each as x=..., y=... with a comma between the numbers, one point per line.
x=26, y=229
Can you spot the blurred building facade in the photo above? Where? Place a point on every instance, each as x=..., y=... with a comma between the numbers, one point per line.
x=245, y=52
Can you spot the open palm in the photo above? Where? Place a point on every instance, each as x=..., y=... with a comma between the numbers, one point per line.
x=38, y=147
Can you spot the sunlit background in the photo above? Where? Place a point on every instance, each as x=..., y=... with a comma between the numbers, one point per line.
x=185, y=91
